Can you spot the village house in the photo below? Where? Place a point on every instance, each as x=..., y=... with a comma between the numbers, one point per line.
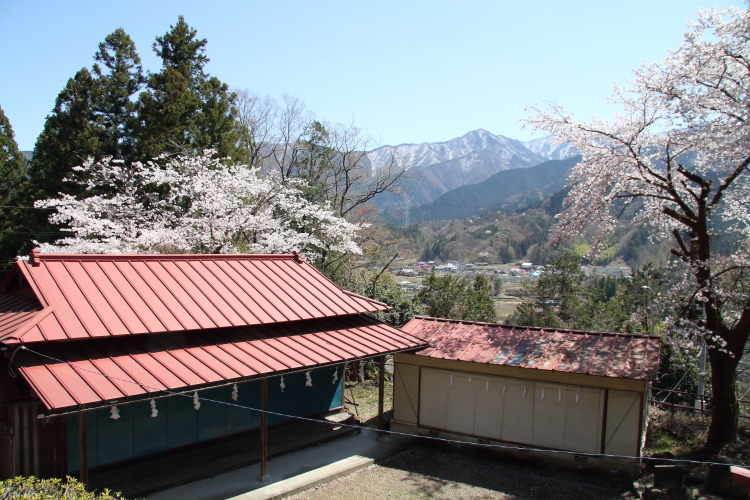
x=111, y=359
x=544, y=388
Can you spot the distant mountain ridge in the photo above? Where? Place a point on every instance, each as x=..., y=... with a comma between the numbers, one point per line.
x=507, y=190
x=437, y=168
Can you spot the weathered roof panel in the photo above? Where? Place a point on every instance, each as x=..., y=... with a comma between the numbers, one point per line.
x=594, y=353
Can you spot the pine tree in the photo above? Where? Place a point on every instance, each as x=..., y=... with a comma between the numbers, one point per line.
x=184, y=110
x=13, y=164
x=71, y=134
x=120, y=78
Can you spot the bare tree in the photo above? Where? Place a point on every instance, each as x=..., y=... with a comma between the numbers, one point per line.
x=256, y=116
x=330, y=159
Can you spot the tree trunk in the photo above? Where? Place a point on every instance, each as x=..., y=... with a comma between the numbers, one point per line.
x=726, y=410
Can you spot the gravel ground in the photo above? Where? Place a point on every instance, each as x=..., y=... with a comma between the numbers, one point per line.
x=421, y=472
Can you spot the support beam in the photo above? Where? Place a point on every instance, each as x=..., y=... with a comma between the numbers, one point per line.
x=263, y=476
x=83, y=450
x=381, y=390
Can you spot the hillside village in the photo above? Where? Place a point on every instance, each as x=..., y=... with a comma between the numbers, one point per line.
x=209, y=293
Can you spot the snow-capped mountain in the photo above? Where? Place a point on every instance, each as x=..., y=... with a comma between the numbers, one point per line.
x=550, y=149
x=442, y=166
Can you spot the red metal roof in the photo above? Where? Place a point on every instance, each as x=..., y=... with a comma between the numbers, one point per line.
x=95, y=371
x=592, y=353
x=89, y=296
x=17, y=306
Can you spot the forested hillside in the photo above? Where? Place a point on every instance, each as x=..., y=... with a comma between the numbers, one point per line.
x=510, y=236
x=506, y=190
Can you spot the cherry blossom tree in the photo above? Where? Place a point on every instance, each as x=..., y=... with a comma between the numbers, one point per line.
x=680, y=145
x=193, y=204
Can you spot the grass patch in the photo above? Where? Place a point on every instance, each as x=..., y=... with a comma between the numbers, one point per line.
x=365, y=394
x=677, y=433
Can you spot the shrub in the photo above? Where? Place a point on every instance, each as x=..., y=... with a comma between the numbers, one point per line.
x=680, y=428
x=32, y=488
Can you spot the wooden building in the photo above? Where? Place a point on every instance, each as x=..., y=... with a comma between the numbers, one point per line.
x=584, y=392
x=107, y=358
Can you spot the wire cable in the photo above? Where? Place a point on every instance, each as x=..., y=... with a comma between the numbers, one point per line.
x=360, y=427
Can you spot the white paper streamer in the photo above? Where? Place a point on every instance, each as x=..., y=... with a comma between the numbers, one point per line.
x=308, y=379
x=487, y=386
x=470, y=379
x=450, y=382
x=114, y=413
x=559, y=395
x=503, y=389
x=235, y=392
x=196, y=401
x=335, y=376
x=577, y=395
x=282, y=385
x=524, y=391
x=154, y=411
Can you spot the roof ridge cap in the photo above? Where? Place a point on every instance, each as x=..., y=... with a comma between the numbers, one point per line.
x=539, y=328
x=161, y=256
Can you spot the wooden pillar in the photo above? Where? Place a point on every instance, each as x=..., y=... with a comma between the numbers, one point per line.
x=83, y=450
x=604, y=420
x=263, y=476
x=381, y=390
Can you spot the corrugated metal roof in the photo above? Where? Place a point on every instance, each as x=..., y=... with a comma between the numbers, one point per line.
x=16, y=308
x=593, y=353
x=87, y=296
x=150, y=364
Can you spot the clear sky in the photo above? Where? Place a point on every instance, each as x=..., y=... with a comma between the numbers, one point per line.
x=407, y=71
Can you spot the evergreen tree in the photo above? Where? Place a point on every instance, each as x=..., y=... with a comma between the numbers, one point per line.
x=457, y=298
x=118, y=79
x=71, y=134
x=555, y=298
x=479, y=304
x=403, y=307
x=184, y=110
x=13, y=164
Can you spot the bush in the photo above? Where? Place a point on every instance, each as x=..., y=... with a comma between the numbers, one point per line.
x=665, y=430
x=32, y=488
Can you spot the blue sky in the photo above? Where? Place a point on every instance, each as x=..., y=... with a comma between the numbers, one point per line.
x=407, y=71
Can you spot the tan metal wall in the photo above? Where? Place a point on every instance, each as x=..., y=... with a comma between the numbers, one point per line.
x=622, y=435
x=406, y=393
x=525, y=408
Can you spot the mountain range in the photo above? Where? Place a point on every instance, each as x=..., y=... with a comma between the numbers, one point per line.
x=506, y=190
x=437, y=168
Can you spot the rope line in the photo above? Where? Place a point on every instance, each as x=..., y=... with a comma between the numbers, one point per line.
x=360, y=427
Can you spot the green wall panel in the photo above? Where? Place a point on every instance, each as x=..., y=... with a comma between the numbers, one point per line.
x=212, y=417
x=177, y=423
x=240, y=419
x=115, y=437
x=71, y=422
x=149, y=433
x=182, y=421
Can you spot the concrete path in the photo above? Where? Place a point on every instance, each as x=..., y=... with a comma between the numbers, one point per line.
x=289, y=473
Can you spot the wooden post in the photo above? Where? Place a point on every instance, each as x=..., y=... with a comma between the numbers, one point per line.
x=604, y=421
x=381, y=387
x=671, y=399
x=83, y=450
x=263, y=476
